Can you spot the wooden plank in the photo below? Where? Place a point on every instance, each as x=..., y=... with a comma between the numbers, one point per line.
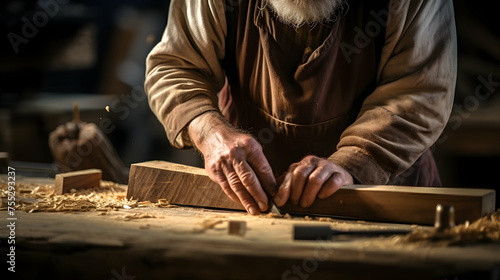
x=188, y=185
x=83, y=179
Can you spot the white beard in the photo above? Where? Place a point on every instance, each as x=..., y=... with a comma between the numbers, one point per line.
x=299, y=12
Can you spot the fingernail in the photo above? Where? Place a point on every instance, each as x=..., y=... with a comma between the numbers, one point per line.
x=262, y=206
x=277, y=199
x=303, y=204
x=253, y=211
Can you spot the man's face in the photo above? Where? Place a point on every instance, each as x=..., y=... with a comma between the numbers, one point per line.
x=299, y=12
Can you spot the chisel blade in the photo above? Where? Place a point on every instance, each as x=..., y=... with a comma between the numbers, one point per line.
x=273, y=208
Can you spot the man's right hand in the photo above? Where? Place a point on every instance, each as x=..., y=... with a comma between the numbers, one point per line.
x=234, y=160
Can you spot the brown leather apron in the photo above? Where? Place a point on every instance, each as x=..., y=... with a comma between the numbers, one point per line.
x=298, y=105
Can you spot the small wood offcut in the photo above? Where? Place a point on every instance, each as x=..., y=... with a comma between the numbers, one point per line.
x=83, y=179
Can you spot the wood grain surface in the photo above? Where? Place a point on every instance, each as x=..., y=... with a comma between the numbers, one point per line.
x=83, y=179
x=187, y=185
x=176, y=244
x=145, y=242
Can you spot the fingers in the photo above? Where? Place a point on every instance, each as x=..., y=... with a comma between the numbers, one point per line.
x=310, y=178
x=299, y=179
x=250, y=181
x=333, y=184
x=238, y=168
x=263, y=171
x=254, y=171
x=219, y=177
x=283, y=193
x=240, y=190
x=316, y=181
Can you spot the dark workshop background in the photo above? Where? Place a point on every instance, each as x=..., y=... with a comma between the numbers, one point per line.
x=93, y=53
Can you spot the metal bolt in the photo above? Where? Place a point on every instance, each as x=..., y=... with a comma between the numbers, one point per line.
x=445, y=217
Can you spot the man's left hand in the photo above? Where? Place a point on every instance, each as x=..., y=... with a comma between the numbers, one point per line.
x=310, y=178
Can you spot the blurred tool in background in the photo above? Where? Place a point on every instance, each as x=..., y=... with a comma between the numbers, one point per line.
x=78, y=145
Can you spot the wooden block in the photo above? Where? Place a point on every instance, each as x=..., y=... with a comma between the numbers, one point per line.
x=179, y=184
x=237, y=228
x=83, y=179
x=187, y=185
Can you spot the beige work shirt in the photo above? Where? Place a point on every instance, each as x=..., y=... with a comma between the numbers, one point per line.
x=398, y=120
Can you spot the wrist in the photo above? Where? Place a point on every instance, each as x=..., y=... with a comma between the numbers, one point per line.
x=204, y=126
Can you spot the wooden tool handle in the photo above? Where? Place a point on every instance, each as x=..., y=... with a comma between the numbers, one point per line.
x=74, y=126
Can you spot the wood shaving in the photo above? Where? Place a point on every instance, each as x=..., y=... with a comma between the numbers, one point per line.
x=486, y=229
x=276, y=216
x=163, y=203
x=109, y=196
x=207, y=224
x=138, y=216
x=272, y=215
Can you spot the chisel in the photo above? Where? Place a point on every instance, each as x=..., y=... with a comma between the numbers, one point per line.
x=302, y=232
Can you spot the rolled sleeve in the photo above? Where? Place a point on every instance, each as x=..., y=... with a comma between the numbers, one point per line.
x=183, y=71
x=409, y=108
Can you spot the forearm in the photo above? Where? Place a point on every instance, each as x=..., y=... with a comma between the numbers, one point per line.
x=204, y=126
x=183, y=72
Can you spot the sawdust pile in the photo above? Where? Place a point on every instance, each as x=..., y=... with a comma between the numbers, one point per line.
x=109, y=196
x=486, y=229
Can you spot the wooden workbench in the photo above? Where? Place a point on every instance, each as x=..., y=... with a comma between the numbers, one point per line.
x=193, y=243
